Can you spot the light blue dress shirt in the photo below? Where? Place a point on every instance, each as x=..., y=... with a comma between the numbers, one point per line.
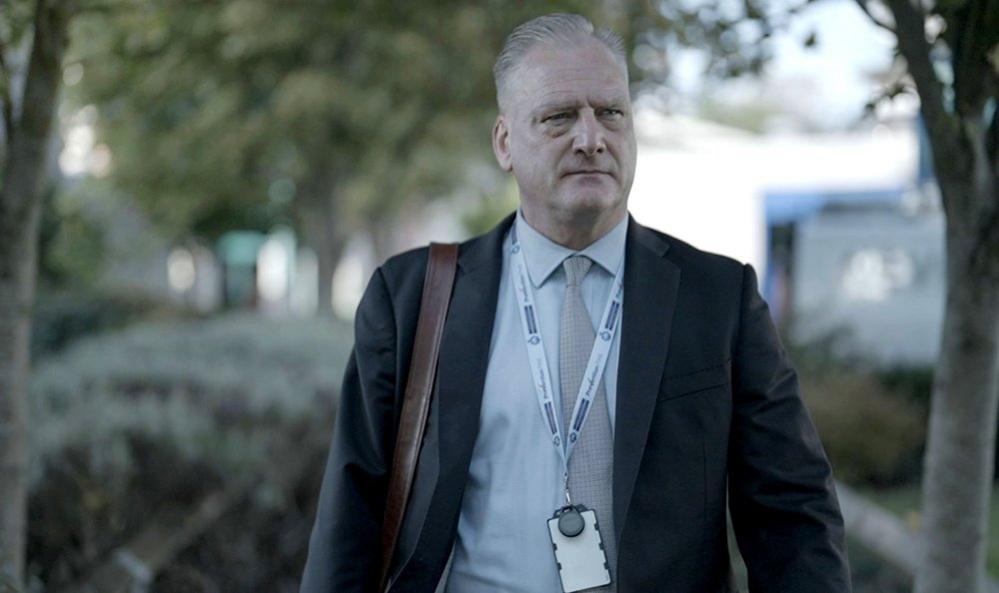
x=515, y=477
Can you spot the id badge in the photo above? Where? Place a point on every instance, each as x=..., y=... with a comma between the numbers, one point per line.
x=579, y=549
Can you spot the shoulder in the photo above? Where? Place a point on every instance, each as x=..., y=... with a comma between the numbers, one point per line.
x=695, y=263
x=710, y=284
x=404, y=273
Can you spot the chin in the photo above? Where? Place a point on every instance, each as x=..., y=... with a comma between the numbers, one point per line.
x=590, y=202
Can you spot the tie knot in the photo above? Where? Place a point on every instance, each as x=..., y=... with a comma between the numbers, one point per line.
x=576, y=267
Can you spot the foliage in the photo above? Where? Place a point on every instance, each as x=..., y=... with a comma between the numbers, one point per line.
x=917, y=381
x=155, y=415
x=15, y=26
x=260, y=546
x=872, y=435
x=233, y=114
x=62, y=316
x=490, y=211
x=83, y=235
x=72, y=243
x=872, y=420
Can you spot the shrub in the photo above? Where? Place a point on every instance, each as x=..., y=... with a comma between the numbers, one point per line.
x=127, y=423
x=872, y=435
x=61, y=316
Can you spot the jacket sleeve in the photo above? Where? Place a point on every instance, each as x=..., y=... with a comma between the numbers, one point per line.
x=344, y=548
x=781, y=494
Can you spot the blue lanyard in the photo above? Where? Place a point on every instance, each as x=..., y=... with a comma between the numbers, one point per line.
x=609, y=324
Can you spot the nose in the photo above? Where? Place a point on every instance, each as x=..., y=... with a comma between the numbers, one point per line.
x=589, y=134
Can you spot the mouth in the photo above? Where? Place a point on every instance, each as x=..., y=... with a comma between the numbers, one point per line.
x=587, y=172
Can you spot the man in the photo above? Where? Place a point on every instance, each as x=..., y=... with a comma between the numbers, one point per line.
x=683, y=398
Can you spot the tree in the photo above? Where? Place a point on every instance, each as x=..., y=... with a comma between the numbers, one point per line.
x=238, y=114
x=951, y=52
x=951, y=49
x=22, y=159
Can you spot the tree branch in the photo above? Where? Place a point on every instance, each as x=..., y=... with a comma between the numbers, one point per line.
x=971, y=66
x=863, y=6
x=990, y=155
x=115, y=7
x=992, y=141
x=24, y=163
x=941, y=126
x=6, y=105
x=911, y=34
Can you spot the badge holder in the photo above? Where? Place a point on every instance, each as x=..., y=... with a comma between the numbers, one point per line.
x=579, y=549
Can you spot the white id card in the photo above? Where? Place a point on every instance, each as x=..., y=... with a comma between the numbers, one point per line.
x=581, y=561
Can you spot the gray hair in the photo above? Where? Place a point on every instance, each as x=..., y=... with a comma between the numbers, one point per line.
x=557, y=27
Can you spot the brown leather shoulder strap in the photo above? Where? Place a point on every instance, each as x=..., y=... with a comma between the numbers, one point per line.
x=437, y=286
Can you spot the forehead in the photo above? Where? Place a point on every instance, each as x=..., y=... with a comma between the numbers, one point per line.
x=582, y=71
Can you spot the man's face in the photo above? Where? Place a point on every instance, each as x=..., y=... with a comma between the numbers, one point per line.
x=566, y=130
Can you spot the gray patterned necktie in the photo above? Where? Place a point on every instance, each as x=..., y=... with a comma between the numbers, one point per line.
x=591, y=464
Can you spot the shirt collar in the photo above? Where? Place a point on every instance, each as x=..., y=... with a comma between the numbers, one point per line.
x=544, y=256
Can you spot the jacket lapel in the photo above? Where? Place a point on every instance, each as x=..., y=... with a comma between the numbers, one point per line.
x=464, y=353
x=650, y=290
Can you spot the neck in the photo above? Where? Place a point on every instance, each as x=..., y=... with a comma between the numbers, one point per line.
x=574, y=230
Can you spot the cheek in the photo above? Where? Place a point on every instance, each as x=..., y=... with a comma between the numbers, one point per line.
x=627, y=152
x=539, y=161
x=530, y=175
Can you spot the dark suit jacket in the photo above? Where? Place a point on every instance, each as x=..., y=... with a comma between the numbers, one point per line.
x=707, y=405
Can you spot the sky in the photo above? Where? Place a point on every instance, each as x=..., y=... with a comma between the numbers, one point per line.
x=828, y=84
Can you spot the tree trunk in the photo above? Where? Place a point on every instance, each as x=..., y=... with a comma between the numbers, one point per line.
x=957, y=482
x=960, y=448
x=382, y=231
x=20, y=209
x=324, y=232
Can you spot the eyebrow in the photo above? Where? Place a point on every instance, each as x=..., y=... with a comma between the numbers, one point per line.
x=552, y=106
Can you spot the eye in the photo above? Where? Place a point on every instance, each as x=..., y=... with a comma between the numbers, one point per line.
x=611, y=112
x=557, y=118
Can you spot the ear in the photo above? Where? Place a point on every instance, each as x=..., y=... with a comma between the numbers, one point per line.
x=501, y=143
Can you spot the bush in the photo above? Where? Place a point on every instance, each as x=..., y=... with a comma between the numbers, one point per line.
x=61, y=316
x=129, y=423
x=872, y=435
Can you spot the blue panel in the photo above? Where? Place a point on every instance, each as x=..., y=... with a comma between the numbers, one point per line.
x=785, y=207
